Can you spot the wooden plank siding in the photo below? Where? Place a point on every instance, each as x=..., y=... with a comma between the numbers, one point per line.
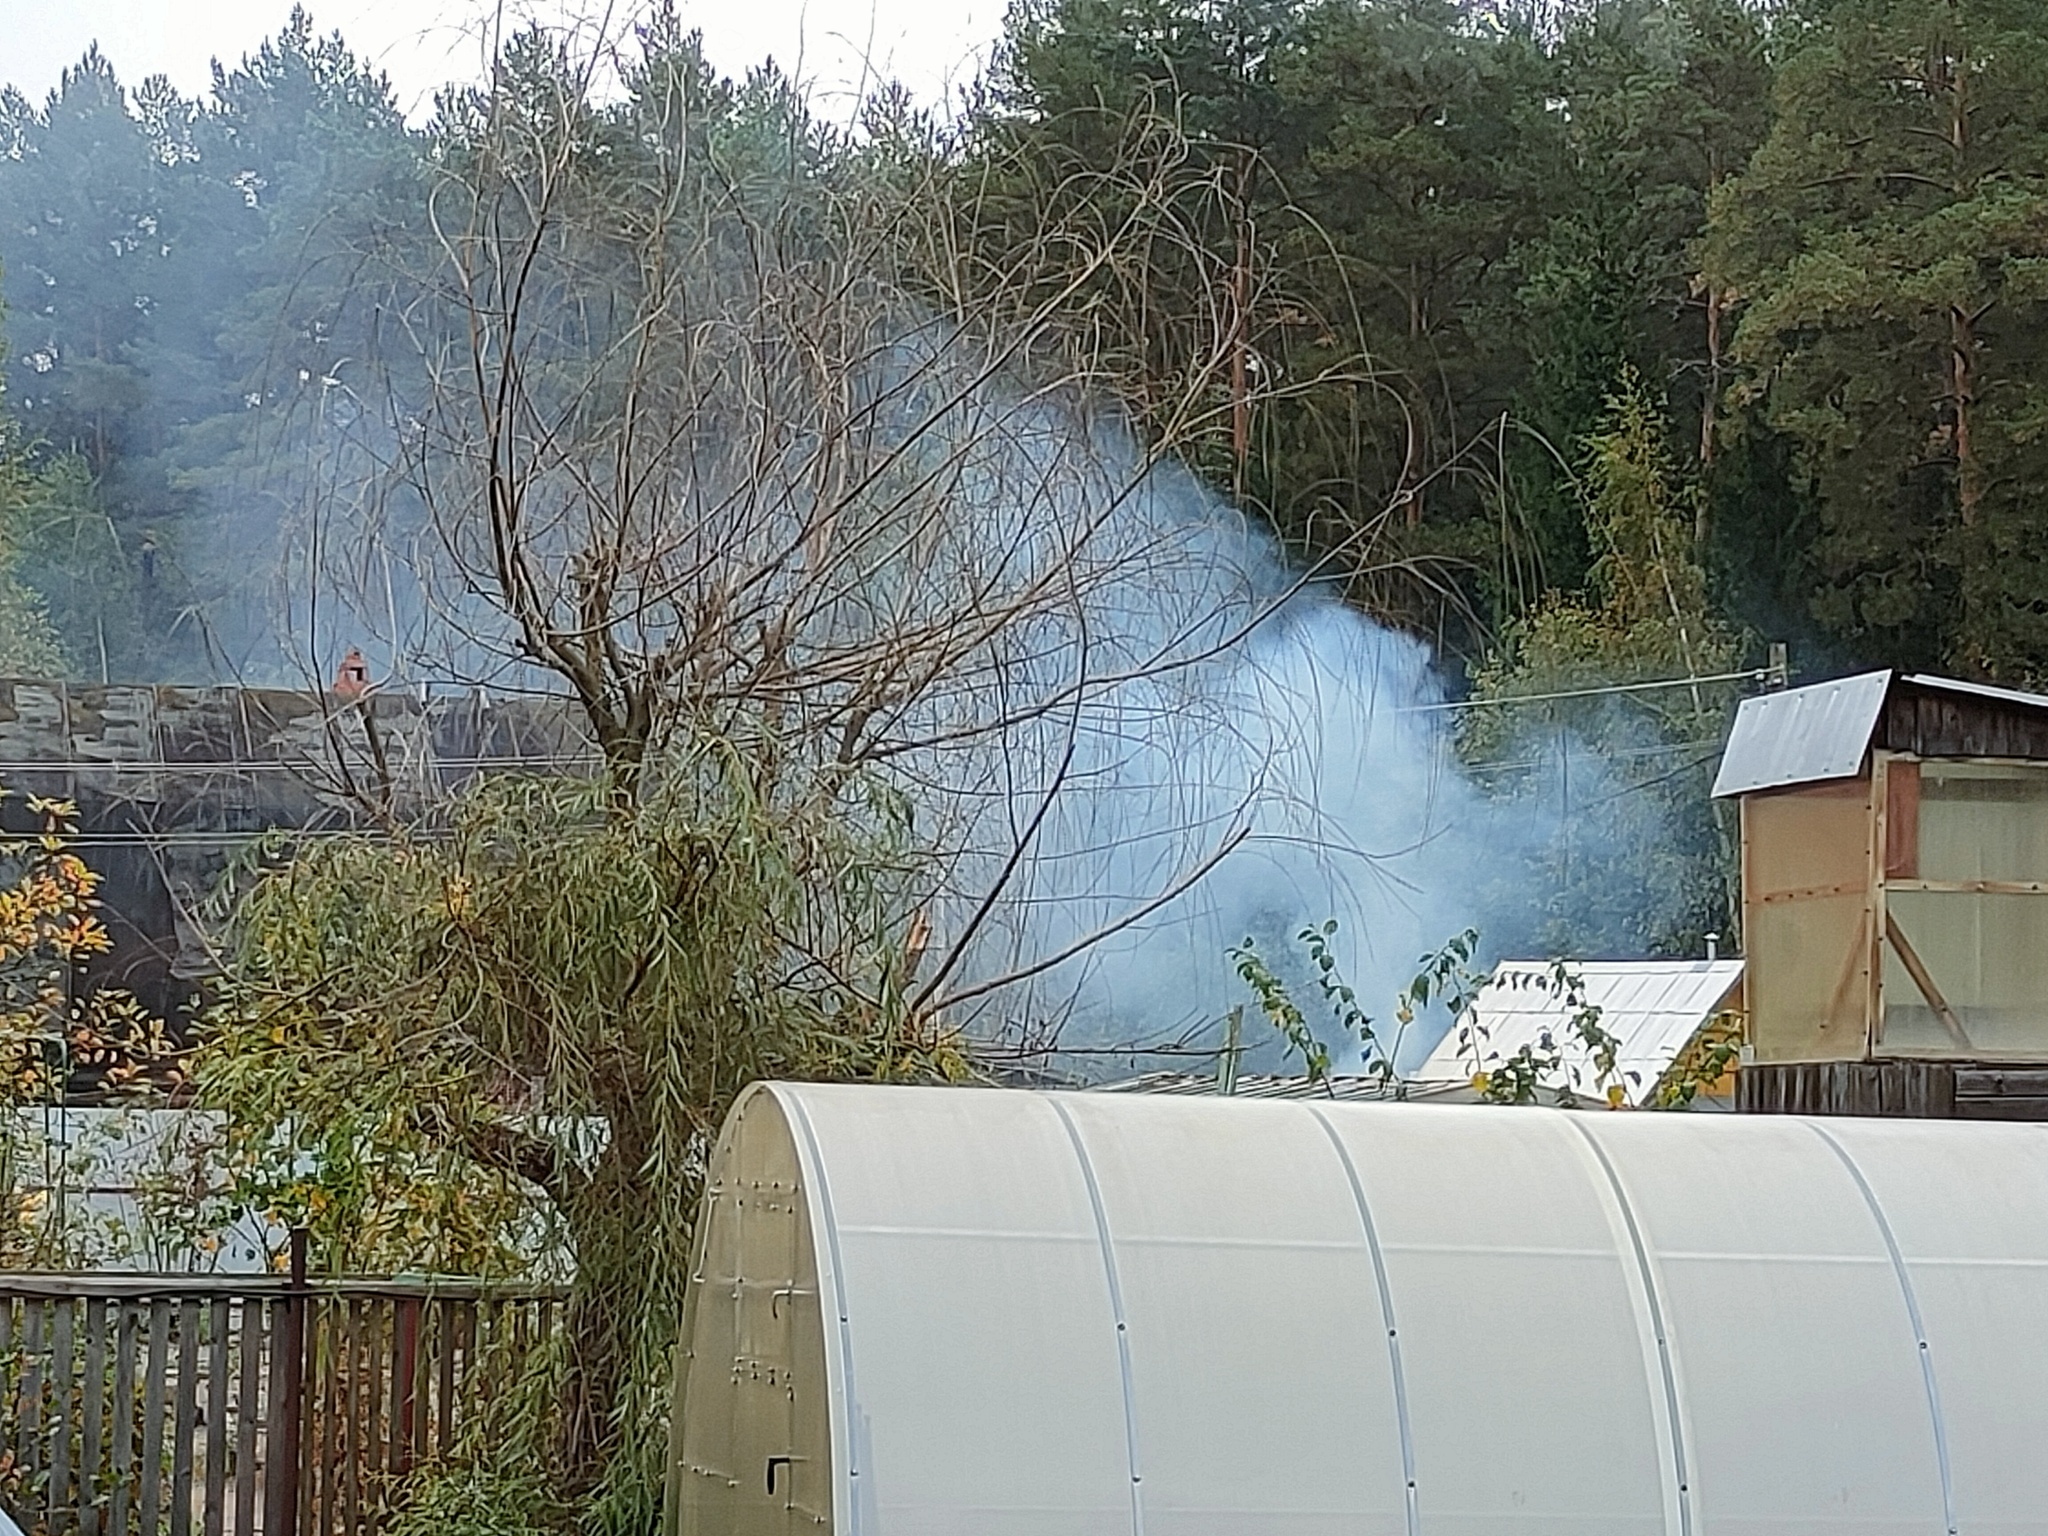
x=168, y=1406
x=1933, y=724
x=1928, y=1090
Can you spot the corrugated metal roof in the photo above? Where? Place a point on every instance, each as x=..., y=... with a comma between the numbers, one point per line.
x=1977, y=691
x=1253, y=1086
x=1653, y=1006
x=1802, y=735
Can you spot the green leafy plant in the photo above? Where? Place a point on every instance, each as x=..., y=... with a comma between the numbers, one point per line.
x=1277, y=1003
x=1704, y=1062
x=505, y=1043
x=1538, y=1071
x=1340, y=1002
x=53, y=1042
x=1542, y=1068
x=476, y=1500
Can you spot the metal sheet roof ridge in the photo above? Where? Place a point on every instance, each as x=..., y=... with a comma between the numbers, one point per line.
x=1976, y=690
x=1699, y=966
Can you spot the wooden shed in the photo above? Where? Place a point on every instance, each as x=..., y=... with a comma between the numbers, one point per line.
x=1894, y=897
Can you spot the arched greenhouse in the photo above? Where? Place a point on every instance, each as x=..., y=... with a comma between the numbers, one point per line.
x=938, y=1312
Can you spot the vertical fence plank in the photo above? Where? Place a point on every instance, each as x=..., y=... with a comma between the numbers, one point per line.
x=92, y=1449
x=374, y=1360
x=7, y=1398
x=60, y=1500
x=293, y=1457
x=155, y=1378
x=124, y=1421
x=29, y=1432
x=250, y=1344
x=332, y=1315
x=216, y=1417
x=418, y=1384
x=275, y=1473
x=185, y=1424
x=467, y=1330
x=405, y=1363
x=488, y=1364
x=444, y=1407
x=351, y=1443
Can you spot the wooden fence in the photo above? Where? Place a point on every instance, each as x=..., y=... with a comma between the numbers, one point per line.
x=238, y=1405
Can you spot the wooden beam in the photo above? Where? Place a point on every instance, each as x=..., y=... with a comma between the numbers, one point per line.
x=1973, y=887
x=1924, y=980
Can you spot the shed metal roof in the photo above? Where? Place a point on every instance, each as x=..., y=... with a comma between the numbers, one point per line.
x=1802, y=735
x=1822, y=731
x=1652, y=1006
x=2011, y=696
x=1255, y=1085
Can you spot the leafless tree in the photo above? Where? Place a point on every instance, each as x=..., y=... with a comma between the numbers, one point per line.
x=734, y=424
x=740, y=432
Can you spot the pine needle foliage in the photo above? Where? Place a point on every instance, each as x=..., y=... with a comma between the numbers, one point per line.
x=471, y=1048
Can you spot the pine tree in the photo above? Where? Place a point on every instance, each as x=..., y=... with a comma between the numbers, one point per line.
x=1890, y=244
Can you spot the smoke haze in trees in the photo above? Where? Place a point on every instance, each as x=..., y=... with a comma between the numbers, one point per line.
x=1188, y=693
x=1250, y=707
x=1184, y=692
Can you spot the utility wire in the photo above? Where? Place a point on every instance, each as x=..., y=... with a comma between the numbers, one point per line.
x=1754, y=675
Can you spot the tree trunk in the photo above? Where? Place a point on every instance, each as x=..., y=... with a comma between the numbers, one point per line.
x=1240, y=338
x=1955, y=74
x=1962, y=396
x=617, y=1272
x=1709, y=406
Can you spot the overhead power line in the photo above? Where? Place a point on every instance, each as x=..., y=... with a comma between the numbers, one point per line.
x=1753, y=675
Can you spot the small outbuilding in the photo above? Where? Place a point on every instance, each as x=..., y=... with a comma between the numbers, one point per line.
x=1894, y=896
x=948, y=1312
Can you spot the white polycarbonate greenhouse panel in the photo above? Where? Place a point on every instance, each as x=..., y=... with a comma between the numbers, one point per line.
x=1114, y=1315
x=1525, y=1343
x=980, y=1357
x=1979, y=1272
x=1794, y=1353
x=1261, y=1371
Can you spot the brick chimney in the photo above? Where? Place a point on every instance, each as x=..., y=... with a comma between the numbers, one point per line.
x=352, y=680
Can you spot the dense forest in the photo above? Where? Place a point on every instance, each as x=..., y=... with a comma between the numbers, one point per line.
x=1589, y=341
x=1810, y=230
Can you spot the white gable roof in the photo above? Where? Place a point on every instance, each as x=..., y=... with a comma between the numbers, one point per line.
x=1652, y=1006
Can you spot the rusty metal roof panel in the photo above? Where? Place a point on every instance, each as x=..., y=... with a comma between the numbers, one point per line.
x=1802, y=735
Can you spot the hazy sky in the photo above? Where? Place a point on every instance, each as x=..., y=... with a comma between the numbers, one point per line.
x=932, y=46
